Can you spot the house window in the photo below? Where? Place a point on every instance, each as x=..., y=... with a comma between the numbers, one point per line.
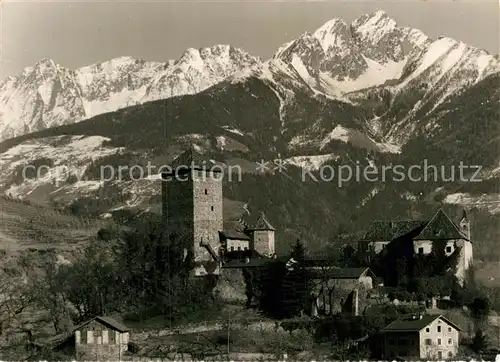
x=449, y=329
x=448, y=249
x=440, y=355
x=450, y=354
x=212, y=208
x=428, y=342
x=420, y=250
x=206, y=192
x=450, y=341
x=439, y=341
x=97, y=334
x=239, y=248
x=427, y=330
x=439, y=329
x=232, y=248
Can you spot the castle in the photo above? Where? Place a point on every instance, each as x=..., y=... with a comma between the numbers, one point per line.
x=193, y=208
x=420, y=236
x=192, y=203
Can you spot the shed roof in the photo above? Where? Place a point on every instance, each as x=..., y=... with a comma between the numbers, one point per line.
x=410, y=324
x=107, y=321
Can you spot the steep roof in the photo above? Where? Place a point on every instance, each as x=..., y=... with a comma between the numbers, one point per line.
x=440, y=228
x=262, y=224
x=234, y=235
x=390, y=230
x=107, y=321
x=341, y=273
x=410, y=324
x=194, y=160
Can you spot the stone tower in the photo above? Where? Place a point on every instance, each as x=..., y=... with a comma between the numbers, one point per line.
x=263, y=237
x=192, y=205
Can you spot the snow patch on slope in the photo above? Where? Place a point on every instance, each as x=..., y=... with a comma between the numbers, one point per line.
x=69, y=155
x=311, y=163
x=490, y=202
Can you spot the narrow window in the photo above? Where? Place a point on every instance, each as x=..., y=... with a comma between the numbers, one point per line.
x=449, y=329
x=439, y=341
x=439, y=329
x=212, y=208
x=239, y=249
x=83, y=337
x=232, y=248
x=420, y=250
x=206, y=192
x=448, y=249
x=450, y=354
x=427, y=330
x=450, y=341
x=112, y=337
x=428, y=342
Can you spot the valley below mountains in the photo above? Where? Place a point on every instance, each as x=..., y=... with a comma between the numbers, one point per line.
x=370, y=93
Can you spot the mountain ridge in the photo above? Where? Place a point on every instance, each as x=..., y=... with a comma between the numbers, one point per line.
x=335, y=60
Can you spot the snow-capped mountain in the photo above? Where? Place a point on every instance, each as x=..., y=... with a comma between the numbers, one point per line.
x=49, y=95
x=349, y=62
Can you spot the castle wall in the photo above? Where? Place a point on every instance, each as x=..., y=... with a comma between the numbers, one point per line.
x=208, y=213
x=426, y=246
x=233, y=244
x=231, y=285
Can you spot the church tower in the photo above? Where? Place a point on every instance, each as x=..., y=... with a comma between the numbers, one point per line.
x=466, y=252
x=192, y=206
x=465, y=225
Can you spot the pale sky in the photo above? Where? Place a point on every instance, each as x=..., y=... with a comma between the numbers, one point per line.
x=77, y=33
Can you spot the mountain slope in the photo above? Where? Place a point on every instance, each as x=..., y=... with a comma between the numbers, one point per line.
x=49, y=95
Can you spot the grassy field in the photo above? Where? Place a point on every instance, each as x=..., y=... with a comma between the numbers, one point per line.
x=28, y=226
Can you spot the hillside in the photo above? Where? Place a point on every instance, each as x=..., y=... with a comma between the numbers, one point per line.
x=27, y=226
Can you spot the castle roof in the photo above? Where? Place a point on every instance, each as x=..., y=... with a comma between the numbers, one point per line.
x=390, y=230
x=262, y=224
x=234, y=235
x=440, y=227
x=193, y=160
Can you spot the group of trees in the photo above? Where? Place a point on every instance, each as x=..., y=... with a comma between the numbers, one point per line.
x=138, y=273
x=281, y=289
